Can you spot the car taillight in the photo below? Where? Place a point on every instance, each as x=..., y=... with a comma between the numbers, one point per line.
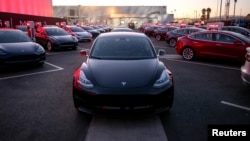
x=76, y=78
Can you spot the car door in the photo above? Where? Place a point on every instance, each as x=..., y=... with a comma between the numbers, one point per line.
x=204, y=44
x=228, y=46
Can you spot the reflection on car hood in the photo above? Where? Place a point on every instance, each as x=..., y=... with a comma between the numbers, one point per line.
x=122, y=73
x=65, y=38
x=18, y=47
x=82, y=33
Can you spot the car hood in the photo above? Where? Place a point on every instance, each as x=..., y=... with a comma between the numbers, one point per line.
x=18, y=47
x=64, y=38
x=122, y=73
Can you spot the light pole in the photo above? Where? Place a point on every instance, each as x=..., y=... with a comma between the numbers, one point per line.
x=220, y=8
x=234, y=7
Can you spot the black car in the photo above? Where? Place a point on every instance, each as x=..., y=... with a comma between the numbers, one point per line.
x=91, y=30
x=172, y=36
x=160, y=33
x=149, y=30
x=237, y=29
x=100, y=29
x=122, y=74
x=53, y=37
x=16, y=48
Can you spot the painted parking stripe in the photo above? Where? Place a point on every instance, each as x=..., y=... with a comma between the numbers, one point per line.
x=28, y=74
x=235, y=105
x=210, y=65
x=126, y=129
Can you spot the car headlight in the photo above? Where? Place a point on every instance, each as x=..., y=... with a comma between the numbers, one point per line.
x=164, y=80
x=83, y=81
x=3, y=53
x=39, y=49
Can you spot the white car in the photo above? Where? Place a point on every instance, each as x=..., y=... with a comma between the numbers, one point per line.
x=245, y=69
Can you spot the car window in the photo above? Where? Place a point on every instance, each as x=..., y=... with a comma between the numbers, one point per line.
x=122, y=48
x=55, y=32
x=181, y=31
x=223, y=38
x=13, y=37
x=202, y=36
x=76, y=29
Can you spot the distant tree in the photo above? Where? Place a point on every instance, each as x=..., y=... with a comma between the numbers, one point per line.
x=208, y=13
x=203, y=14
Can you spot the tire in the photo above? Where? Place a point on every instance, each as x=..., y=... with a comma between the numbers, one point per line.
x=158, y=37
x=172, y=42
x=49, y=46
x=188, y=53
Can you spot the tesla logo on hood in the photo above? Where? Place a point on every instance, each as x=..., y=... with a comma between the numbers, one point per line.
x=123, y=83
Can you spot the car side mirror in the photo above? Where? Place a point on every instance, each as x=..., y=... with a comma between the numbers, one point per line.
x=84, y=53
x=161, y=52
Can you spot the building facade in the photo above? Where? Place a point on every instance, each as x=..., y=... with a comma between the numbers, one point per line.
x=112, y=15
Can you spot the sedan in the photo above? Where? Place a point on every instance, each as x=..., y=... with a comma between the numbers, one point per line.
x=160, y=33
x=91, y=30
x=16, y=48
x=237, y=29
x=213, y=44
x=245, y=69
x=53, y=37
x=79, y=33
x=122, y=73
x=172, y=36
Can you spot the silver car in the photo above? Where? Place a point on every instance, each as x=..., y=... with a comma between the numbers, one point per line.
x=245, y=69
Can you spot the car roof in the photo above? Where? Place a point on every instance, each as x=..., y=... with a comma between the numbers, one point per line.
x=122, y=34
x=237, y=27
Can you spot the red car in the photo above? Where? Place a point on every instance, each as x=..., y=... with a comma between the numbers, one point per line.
x=213, y=44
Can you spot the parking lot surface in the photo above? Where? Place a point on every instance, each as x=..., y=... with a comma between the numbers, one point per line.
x=37, y=102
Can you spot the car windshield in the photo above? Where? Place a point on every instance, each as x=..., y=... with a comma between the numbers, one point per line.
x=77, y=29
x=55, y=32
x=22, y=28
x=13, y=36
x=122, y=48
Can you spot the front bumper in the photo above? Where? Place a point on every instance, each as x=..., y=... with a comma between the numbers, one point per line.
x=17, y=60
x=92, y=103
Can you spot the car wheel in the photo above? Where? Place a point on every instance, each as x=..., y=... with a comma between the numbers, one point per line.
x=188, y=53
x=158, y=37
x=49, y=46
x=172, y=42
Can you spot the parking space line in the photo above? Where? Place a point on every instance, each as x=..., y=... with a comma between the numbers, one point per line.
x=210, y=65
x=235, y=105
x=57, y=69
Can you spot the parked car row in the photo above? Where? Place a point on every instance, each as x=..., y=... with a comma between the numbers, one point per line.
x=226, y=43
